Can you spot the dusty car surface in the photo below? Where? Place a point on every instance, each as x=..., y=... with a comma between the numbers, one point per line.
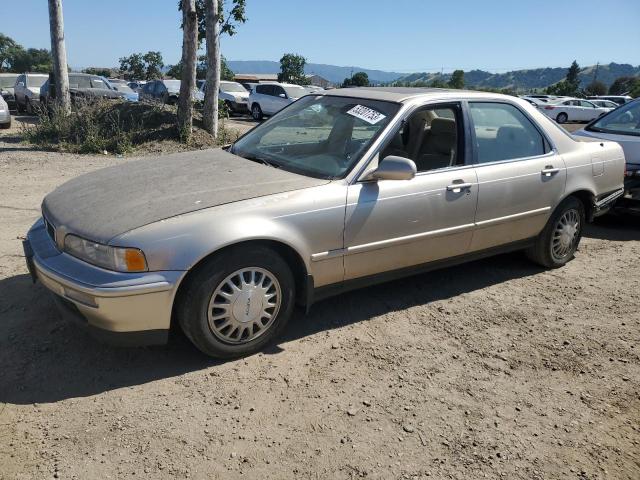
x=338, y=190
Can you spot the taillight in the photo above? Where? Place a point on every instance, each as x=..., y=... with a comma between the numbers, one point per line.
x=549, y=107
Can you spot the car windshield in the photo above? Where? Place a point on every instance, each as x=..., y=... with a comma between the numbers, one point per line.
x=625, y=120
x=8, y=81
x=123, y=88
x=36, y=80
x=173, y=85
x=232, y=87
x=321, y=137
x=295, y=92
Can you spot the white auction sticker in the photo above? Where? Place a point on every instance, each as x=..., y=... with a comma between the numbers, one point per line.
x=367, y=114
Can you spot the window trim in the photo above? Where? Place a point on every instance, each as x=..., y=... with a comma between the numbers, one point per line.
x=552, y=148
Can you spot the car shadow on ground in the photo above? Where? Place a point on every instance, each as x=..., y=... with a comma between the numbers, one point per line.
x=45, y=358
x=617, y=228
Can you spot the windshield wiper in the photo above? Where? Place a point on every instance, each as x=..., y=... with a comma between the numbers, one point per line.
x=263, y=161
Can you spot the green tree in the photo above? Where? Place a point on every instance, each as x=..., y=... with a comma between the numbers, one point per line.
x=457, y=79
x=358, y=79
x=596, y=88
x=622, y=85
x=438, y=83
x=133, y=66
x=138, y=66
x=31, y=60
x=635, y=88
x=573, y=82
x=154, y=64
x=8, y=48
x=292, y=69
x=103, y=72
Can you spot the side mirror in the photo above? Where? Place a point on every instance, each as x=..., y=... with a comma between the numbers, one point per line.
x=392, y=168
x=282, y=95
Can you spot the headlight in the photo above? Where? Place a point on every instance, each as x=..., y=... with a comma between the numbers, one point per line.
x=112, y=258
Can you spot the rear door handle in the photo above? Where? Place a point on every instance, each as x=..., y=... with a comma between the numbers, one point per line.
x=549, y=171
x=458, y=187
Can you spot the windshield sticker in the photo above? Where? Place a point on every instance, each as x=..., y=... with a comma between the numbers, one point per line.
x=367, y=114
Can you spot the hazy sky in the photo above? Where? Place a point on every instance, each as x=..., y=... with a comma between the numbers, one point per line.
x=396, y=35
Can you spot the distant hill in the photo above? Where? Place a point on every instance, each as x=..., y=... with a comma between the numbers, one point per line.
x=530, y=78
x=333, y=73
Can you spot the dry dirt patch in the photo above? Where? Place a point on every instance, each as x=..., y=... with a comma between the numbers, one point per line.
x=496, y=369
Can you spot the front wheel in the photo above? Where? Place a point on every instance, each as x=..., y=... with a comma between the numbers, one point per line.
x=557, y=243
x=256, y=112
x=238, y=302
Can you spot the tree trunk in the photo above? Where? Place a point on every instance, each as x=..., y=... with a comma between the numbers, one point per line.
x=59, y=53
x=210, y=113
x=189, y=58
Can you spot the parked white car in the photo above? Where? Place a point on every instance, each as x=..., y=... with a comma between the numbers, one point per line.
x=573, y=110
x=270, y=98
x=605, y=103
x=5, y=114
x=619, y=99
x=27, y=91
x=233, y=94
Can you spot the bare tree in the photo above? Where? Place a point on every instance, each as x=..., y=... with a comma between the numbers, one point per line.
x=210, y=113
x=189, y=59
x=59, y=53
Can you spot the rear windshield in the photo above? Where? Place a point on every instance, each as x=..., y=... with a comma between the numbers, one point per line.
x=624, y=121
x=8, y=81
x=36, y=80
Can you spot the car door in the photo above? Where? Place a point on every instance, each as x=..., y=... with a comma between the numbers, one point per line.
x=279, y=98
x=262, y=98
x=397, y=224
x=589, y=111
x=520, y=177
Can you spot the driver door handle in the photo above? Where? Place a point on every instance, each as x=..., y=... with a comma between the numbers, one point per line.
x=459, y=187
x=549, y=171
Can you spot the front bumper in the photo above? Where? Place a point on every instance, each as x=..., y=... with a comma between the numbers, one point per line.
x=5, y=116
x=119, y=308
x=240, y=107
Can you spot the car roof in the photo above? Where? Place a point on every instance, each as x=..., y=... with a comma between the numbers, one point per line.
x=404, y=94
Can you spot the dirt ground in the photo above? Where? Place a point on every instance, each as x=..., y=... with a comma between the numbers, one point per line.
x=495, y=369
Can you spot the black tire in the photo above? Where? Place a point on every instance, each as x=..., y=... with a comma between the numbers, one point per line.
x=193, y=304
x=562, y=118
x=256, y=112
x=5, y=126
x=543, y=251
x=19, y=107
x=28, y=107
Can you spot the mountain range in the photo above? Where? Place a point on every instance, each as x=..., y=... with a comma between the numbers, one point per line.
x=526, y=79
x=333, y=73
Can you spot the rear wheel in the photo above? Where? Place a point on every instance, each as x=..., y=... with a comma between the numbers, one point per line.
x=19, y=107
x=256, y=112
x=562, y=118
x=558, y=242
x=5, y=125
x=238, y=302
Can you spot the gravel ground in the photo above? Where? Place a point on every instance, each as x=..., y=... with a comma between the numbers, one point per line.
x=496, y=369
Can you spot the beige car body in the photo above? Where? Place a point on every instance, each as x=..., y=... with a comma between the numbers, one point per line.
x=349, y=232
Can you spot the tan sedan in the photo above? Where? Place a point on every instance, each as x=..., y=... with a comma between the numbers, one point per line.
x=341, y=189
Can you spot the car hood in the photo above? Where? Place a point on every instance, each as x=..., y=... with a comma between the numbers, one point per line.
x=106, y=203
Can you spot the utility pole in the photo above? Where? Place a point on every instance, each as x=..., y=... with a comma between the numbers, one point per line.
x=595, y=74
x=59, y=53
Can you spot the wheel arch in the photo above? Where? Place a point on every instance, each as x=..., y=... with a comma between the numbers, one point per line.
x=303, y=281
x=587, y=198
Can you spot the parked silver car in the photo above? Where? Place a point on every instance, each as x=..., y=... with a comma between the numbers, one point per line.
x=623, y=126
x=338, y=190
x=269, y=98
x=27, y=91
x=7, y=83
x=5, y=114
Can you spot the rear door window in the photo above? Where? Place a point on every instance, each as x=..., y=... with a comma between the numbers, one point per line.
x=503, y=132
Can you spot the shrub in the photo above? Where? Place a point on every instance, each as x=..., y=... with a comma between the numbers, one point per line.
x=112, y=126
